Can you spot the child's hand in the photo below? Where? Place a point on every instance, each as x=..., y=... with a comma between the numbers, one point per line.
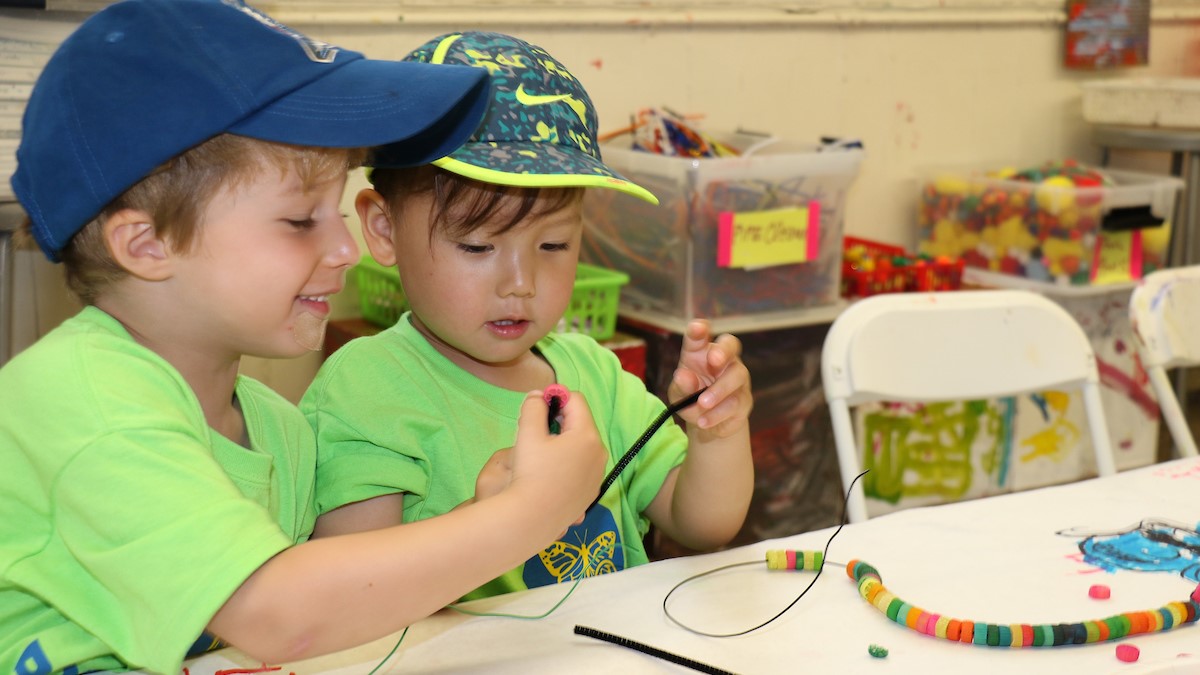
x=561, y=471
x=724, y=408
x=495, y=476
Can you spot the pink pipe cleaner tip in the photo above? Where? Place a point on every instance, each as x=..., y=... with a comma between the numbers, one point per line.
x=556, y=391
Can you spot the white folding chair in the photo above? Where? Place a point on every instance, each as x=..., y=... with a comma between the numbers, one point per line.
x=953, y=346
x=1165, y=312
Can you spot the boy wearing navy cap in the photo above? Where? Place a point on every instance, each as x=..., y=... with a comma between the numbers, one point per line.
x=185, y=160
x=486, y=240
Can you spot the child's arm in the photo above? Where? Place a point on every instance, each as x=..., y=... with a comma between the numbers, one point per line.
x=703, y=502
x=369, y=514
x=333, y=593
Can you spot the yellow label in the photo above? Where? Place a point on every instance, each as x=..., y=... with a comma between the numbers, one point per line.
x=765, y=238
x=1118, y=257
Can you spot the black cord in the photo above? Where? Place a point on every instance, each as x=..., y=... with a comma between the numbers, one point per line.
x=637, y=446
x=651, y=651
x=824, y=558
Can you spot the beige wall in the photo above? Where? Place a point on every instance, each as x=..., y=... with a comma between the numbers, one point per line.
x=920, y=86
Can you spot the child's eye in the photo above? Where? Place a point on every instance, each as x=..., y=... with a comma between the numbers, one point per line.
x=474, y=248
x=556, y=246
x=302, y=223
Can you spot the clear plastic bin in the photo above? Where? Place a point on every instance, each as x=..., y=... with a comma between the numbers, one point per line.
x=674, y=254
x=1048, y=230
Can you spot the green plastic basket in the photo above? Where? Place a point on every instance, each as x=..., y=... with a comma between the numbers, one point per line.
x=592, y=310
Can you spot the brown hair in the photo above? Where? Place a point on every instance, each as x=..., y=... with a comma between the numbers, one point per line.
x=462, y=205
x=177, y=192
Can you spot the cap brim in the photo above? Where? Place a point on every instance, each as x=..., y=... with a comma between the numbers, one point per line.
x=537, y=165
x=417, y=112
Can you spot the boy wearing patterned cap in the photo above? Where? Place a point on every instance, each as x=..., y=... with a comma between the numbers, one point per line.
x=411, y=423
x=185, y=159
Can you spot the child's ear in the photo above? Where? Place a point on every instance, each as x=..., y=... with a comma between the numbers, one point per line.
x=135, y=246
x=376, y=225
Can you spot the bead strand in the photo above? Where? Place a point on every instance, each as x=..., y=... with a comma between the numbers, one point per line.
x=795, y=560
x=871, y=588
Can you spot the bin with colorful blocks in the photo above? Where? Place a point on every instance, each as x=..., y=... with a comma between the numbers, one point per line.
x=872, y=267
x=1064, y=222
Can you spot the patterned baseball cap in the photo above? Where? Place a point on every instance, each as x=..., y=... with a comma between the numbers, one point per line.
x=540, y=127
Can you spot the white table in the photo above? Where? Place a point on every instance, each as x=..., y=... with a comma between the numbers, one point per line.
x=998, y=559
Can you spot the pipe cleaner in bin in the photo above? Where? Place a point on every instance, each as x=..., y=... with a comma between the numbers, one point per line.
x=747, y=224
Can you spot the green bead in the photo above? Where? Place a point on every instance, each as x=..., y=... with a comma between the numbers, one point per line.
x=877, y=651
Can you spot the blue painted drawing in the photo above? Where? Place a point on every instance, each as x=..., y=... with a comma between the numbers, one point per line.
x=1148, y=546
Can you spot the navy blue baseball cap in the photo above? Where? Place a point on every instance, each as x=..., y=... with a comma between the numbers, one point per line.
x=143, y=81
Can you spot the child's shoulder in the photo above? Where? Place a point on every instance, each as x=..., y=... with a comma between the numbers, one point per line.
x=90, y=371
x=89, y=345
x=389, y=354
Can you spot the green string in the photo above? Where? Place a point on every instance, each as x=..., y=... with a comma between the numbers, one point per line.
x=461, y=610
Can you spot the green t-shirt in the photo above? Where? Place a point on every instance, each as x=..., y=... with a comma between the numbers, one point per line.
x=125, y=521
x=393, y=415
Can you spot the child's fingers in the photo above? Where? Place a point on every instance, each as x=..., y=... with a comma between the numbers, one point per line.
x=733, y=408
x=733, y=382
x=696, y=338
x=576, y=413
x=531, y=425
x=725, y=350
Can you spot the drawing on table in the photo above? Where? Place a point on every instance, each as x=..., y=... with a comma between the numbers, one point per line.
x=1151, y=545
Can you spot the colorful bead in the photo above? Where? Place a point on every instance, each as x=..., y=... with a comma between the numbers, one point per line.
x=1099, y=592
x=877, y=651
x=1168, y=619
x=806, y=560
x=1128, y=653
x=1172, y=615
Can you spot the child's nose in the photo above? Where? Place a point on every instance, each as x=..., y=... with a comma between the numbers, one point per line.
x=518, y=278
x=342, y=250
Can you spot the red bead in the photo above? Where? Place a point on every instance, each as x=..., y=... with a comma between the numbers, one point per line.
x=1127, y=653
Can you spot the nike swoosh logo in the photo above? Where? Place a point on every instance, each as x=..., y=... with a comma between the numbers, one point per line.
x=525, y=98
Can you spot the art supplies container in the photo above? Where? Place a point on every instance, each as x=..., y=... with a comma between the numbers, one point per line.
x=872, y=267
x=592, y=310
x=1066, y=224
x=749, y=236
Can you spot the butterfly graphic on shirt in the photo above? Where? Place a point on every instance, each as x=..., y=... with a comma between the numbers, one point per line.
x=588, y=549
x=566, y=561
